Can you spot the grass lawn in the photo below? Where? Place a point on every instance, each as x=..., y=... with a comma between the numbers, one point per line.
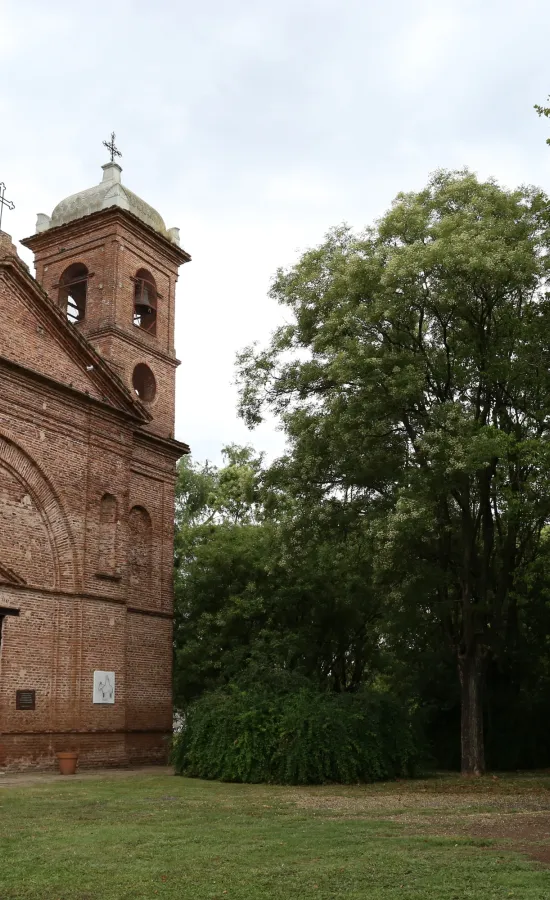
x=148, y=836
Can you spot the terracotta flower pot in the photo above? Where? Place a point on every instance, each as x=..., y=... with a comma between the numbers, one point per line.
x=68, y=761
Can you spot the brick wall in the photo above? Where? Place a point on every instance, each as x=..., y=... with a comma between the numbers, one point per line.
x=64, y=446
x=114, y=247
x=24, y=538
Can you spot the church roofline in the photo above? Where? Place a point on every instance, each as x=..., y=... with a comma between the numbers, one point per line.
x=43, y=239
x=69, y=333
x=79, y=395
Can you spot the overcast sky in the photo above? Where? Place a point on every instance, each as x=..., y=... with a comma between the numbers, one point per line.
x=255, y=126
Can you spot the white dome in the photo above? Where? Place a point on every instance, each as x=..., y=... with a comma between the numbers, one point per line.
x=109, y=192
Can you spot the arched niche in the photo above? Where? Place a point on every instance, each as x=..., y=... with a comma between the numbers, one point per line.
x=140, y=535
x=107, y=544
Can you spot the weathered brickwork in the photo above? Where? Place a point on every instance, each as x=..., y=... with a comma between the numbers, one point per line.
x=87, y=474
x=112, y=246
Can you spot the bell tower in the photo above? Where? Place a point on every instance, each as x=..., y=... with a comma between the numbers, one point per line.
x=107, y=259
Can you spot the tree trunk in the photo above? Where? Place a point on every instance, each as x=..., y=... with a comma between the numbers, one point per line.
x=471, y=670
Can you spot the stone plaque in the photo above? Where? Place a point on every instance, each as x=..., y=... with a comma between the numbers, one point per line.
x=104, y=687
x=25, y=699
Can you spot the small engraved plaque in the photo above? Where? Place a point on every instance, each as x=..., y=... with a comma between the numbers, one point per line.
x=104, y=687
x=25, y=700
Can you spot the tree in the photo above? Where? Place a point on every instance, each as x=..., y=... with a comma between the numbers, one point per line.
x=270, y=584
x=414, y=376
x=206, y=494
x=221, y=560
x=322, y=605
x=544, y=111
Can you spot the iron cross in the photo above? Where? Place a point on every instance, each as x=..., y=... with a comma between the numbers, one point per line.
x=4, y=202
x=111, y=147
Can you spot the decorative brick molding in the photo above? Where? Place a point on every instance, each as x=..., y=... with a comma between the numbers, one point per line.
x=26, y=471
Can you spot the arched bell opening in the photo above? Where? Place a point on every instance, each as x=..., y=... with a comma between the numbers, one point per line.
x=145, y=302
x=73, y=291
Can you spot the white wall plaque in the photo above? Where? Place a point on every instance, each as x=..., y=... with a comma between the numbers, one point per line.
x=104, y=687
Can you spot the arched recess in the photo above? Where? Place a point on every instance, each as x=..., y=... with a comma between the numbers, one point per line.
x=108, y=521
x=22, y=467
x=140, y=540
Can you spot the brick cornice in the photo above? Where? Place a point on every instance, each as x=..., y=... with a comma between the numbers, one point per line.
x=112, y=215
x=58, y=593
x=171, y=447
x=122, y=335
x=60, y=386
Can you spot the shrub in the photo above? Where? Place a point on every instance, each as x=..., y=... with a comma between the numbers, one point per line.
x=303, y=737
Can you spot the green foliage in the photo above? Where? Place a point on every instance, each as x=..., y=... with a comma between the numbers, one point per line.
x=402, y=540
x=302, y=736
x=206, y=494
x=285, y=587
x=544, y=111
x=219, y=608
x=413, y=377
x=221, y=559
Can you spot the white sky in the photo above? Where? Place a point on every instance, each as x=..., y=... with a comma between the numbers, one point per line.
x=255, y=126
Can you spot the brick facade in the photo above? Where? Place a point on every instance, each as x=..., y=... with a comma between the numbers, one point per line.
x=87, y=472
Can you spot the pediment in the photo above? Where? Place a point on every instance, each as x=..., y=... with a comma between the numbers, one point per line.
x=40, y=338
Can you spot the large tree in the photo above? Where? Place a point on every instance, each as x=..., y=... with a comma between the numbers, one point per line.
x=414, y=376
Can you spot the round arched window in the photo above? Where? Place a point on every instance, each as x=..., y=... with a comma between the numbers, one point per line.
x=144, y=383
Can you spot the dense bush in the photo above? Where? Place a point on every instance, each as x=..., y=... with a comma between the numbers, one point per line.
x=303, y=737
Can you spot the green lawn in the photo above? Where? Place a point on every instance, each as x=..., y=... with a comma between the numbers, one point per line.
x=161, y=836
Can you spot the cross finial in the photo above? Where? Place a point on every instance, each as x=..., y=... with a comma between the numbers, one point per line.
x=4, y=202
x=111, y=147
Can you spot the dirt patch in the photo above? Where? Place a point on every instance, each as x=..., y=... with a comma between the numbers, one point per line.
x=511, y=821
x=373, y=802
x=528, y=836
x=519, y=831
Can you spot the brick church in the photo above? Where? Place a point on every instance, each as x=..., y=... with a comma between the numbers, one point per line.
x=87, y=473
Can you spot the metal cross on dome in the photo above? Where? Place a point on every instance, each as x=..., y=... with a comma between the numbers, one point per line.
x=111, y=147
x=4, y=202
